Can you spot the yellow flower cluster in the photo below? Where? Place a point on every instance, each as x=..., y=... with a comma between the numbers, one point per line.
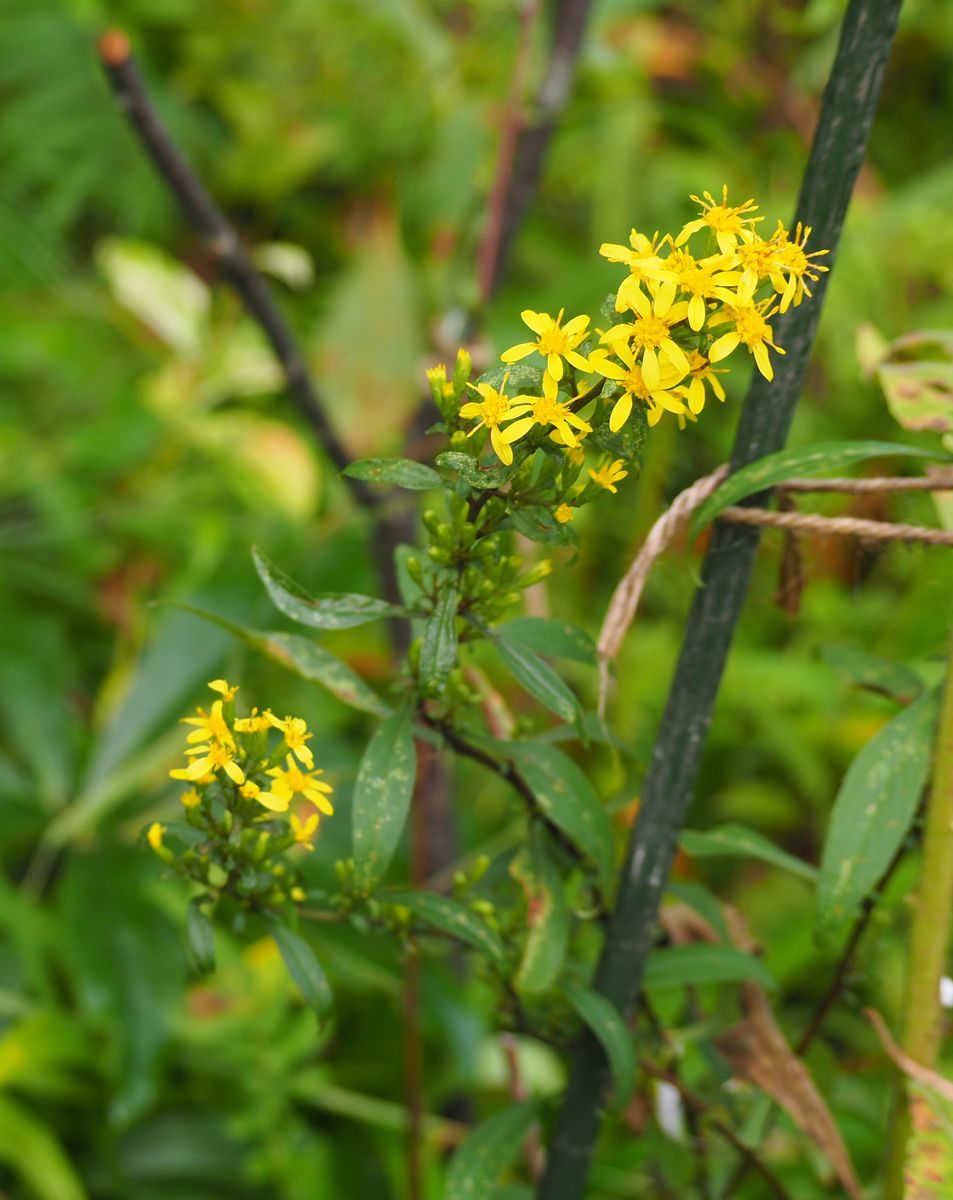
x=687, y=307
x=234, y=753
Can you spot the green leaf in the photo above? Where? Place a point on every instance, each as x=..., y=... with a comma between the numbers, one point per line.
x=873, y=812
x=704, y=902
x=303, y=967
x=539, y=525
x=872, y=673
x=398, y=472
x=565, y=797
x=800, y=461
x=680, y=966
x=627, y=443
x=519, y=378
x=438, y=651
x=487, y=1151
x=557, y=639
x=201, y=935
x=453, y=918
x=539, y=679
x=470, y=471
x=919, y=394
x=547, y=915
x=305, y=658
x=739, y=842
x=331, y=610
x=382, y=794
x=29, y=1148
x=607, y=1024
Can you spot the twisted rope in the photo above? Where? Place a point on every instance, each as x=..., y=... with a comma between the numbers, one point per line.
x=628, y=592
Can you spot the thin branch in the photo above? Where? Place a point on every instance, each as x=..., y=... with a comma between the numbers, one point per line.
x=222, y=242
x=489, y=262
x=524, y=169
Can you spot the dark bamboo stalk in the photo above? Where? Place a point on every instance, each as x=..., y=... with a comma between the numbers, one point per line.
x=837, y=151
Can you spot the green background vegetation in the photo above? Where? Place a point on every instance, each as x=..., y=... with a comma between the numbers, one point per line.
x=145, y=445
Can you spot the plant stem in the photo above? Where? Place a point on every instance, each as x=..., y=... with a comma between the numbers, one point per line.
x=930, y=934
x=837, y=151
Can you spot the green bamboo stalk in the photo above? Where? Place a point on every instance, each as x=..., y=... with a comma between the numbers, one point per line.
x=930, y=933
x=837, y=151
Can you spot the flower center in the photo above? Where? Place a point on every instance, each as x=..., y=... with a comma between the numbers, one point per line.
x=723, y=220
x=494, y=408
x=553, y=341
x=649, y=332
x=634, y=383
x=751, y=326
x=545, y=411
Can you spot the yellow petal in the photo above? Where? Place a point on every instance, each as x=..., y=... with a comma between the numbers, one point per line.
x=723, y=347
x=540, y=323
x=696, y=312
x=621, y=411
x=515, y=353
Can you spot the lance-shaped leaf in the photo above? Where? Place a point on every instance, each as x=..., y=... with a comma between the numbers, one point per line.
x=606, y=1023
x=453, y=918
x=737, y=842
x=487, y=1151
x=537, y=676
x=680, y=966
x=438, y=651
x=547, y=915
x=873, y=812
x=201, y=935
x=397, y=472
x=544, y=635
x=471, y=472
x=789, y=464
x=304, y=658
x=539, y=525
x=382, y=794
x=331, y=610
x=566, y=798
x=303, y=967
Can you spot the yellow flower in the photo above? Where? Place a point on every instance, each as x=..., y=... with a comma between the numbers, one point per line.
x=190, y=799
x=154, y=836
x=256, y=723
x=791, y=259
x=251, y=791
x=702, y=370
x=295, y=732
x=298, y=894
x=211, y=726
x=642, y=259
x=304, y=831
x=750, y=328
x=703, y=279
x=210, y=759
x=224, y=688
x=493, y=407
x=555, y=342
x=291, y=781
x=609, y=475
x=724, y=221
x=564, y=514
x=545, y=410
x=650, y=332
x=631, y=376
x=758, y=260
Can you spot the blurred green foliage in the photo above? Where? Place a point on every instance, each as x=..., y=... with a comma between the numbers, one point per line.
x=145, y=445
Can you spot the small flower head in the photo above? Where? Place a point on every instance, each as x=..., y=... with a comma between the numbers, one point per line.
x=224, y=688
x=291, y=781
x=305, y=830
x=295, y=732
x=256, y=723
x=545, y=410
x=492, y=408
x=251, y=791
x=752, y=330
x=210, y=726
x=554, y=341
x=725, y=221
x=154, y=836
x=208, y=760
x=564, y=514
x=609, y=475
x=190, y=799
